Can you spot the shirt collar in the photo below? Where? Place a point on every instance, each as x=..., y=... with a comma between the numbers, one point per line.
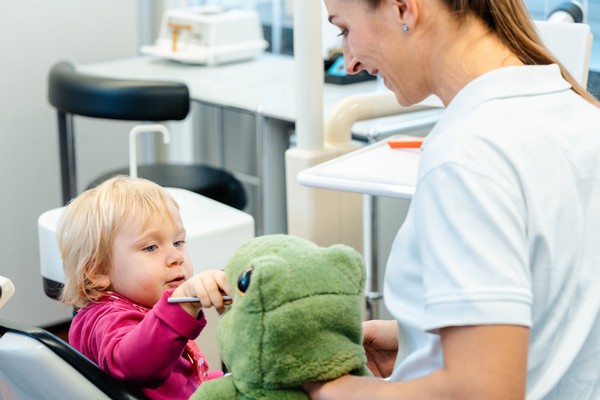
x=506, y=82
x=526, y=80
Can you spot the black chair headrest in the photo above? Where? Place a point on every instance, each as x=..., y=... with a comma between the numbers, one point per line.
x=73, y=92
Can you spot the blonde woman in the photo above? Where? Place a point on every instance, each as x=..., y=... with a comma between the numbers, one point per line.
x=493, y=278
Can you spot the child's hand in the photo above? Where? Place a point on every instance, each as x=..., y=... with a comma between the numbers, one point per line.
x=209, y=287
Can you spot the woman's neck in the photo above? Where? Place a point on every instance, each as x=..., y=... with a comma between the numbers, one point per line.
x=469, y=51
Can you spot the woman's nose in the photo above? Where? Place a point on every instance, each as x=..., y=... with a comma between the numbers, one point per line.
x=352, y=65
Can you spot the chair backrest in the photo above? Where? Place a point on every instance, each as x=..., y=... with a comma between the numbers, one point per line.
x=38, y=365
x=571, y=44
x=75, y=93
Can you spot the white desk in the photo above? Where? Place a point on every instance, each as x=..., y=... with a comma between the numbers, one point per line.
x=263, y=90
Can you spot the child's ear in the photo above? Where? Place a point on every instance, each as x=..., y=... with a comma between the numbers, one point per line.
x=101, y=281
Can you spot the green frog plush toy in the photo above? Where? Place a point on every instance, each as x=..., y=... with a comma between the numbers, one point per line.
x=296, y=317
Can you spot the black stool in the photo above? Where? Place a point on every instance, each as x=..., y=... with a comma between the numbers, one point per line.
x=73, y=93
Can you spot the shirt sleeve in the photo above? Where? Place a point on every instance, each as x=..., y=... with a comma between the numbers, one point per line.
x=144, y=348
x=474, y=252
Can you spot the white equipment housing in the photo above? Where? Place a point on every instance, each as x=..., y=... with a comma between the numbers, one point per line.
x=208, y=35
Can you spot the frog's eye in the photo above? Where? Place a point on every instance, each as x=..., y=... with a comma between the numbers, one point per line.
x=244, y=280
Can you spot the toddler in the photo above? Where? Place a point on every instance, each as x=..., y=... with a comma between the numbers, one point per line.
x=124, y=254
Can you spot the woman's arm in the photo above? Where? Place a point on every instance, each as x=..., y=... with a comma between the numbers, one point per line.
x=480, y=362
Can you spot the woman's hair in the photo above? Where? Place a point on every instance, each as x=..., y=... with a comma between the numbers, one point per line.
x=89, y=224
x=511, y=22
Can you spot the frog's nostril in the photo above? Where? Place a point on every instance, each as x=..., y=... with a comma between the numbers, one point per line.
x=244, y=280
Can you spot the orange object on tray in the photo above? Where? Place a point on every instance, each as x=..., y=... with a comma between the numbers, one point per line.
x=401, y=142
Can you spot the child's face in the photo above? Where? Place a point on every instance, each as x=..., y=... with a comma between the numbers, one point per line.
x=149, y=260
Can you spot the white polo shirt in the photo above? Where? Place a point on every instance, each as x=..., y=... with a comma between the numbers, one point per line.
x=504, y=228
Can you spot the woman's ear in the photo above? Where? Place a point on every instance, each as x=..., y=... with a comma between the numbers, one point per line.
x=407, y=11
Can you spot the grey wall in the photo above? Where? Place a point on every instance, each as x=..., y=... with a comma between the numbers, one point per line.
x=33, y=35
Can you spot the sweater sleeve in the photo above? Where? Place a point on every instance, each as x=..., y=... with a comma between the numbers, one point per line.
x=141, y=348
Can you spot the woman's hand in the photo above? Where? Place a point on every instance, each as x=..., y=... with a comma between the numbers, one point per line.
x=209, y=287
x=381, y=346
x=500, y=374
x=380, y=340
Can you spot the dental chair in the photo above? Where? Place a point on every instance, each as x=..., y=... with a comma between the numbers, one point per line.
x=35, y=364
x=571, y=44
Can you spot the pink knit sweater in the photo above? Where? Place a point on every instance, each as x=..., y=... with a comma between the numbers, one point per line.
x=152, y=349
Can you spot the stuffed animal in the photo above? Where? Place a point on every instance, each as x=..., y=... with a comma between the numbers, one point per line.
x=296, y=317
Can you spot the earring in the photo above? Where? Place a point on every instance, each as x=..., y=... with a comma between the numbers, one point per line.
x=404, y=27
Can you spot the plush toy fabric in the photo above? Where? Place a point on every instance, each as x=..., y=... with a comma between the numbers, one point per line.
x=296, y=317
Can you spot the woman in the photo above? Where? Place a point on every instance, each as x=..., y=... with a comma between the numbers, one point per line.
x=493, y=277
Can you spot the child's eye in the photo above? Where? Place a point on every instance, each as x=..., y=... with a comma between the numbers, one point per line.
x=150, y=248
x=343, y=33
x=179, y=243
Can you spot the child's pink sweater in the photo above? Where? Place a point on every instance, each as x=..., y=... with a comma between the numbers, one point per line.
x=151, y=349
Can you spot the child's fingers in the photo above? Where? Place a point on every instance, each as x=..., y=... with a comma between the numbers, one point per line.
x=224, y=283
x=214, y=285
x=208, y=287
x=215, y=280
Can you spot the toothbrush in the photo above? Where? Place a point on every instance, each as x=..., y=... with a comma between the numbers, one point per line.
x=226, y=300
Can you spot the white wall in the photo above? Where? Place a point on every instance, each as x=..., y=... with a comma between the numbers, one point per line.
x=34, y=34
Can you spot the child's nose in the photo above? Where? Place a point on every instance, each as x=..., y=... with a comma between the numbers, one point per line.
x=175, y=256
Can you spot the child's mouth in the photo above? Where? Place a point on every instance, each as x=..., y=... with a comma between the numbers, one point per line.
x=177, y=281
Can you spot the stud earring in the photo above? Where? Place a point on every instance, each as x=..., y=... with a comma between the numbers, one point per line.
x=404, y=27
